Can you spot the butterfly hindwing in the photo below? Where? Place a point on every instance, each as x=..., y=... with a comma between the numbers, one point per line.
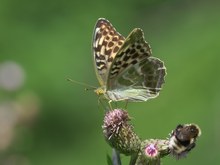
x=135, y=71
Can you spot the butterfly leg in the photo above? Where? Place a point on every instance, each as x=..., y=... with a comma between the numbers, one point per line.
x=126, y=104
x=100, y=102
x=109, y=103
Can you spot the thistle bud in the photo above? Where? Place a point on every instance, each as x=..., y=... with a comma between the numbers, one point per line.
x=119, y=132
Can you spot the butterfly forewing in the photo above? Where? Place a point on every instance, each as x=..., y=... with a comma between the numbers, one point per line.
x=134, y=50
x=106, y=43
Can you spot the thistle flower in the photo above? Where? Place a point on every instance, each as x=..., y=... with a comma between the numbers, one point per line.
x=151, y=152
x=119, y=132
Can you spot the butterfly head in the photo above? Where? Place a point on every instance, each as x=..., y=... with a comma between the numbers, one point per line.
x=100, y=91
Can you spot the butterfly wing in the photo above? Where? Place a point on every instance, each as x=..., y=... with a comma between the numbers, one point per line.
x=134, y=74
x=106, y=43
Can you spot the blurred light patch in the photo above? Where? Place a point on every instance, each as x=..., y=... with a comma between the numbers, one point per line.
x=29, y=108
x=8, y=120
x=15, y=160
x=21, y=112
x=12, y=76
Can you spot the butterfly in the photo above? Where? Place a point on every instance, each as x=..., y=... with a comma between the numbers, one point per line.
x=124, y=67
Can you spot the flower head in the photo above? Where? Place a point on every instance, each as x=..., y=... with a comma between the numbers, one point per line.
x=151, y=150
x=119, y=132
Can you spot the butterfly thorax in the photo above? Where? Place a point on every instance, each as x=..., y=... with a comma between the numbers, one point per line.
x=100, y=91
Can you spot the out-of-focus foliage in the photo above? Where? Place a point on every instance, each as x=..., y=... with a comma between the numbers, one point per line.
x=46, y=120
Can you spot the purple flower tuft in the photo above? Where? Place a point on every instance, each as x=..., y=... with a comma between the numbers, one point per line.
x=151, y=150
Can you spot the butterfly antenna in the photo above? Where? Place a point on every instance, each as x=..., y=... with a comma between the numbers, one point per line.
x=88, y=87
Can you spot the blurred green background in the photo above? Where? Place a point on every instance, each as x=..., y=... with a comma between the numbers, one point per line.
x=46, y=120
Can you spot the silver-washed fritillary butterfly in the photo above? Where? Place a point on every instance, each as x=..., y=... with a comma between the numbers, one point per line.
x=124, y=66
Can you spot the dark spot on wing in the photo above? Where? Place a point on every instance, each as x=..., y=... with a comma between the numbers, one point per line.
x=118, y=63
x=135, y=55
x=105, y=32
x=116, y=49
x=126, y=57
x=115, y=39
x=100, y=57
x=107, y=37
x=142, y=50
x=120, y=43
x=110, y=44
x=134, y=62
x=138, y=46
x=108, y=52
x=110, y=59
x=124, y=65
x=133, y=51
x=127, y=51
